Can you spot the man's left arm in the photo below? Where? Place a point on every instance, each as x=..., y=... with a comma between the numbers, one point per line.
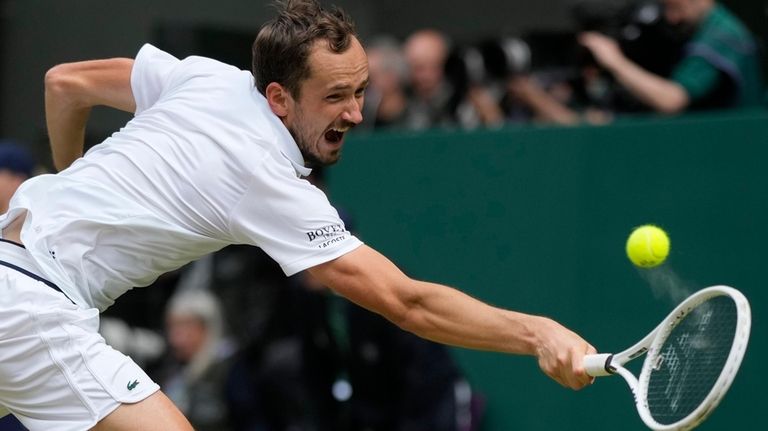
x=71, y=90
x=663, y=95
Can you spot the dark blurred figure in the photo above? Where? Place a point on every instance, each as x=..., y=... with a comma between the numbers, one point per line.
x=385, y=98
x=719, y=67
x=363, y=373
x=265, y=389
x=342, y=368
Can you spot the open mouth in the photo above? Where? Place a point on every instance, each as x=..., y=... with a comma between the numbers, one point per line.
x=335, y=135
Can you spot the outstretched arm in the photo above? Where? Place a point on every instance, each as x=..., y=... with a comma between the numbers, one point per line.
x=445, y=315
x=663, y=95
x=71, y=90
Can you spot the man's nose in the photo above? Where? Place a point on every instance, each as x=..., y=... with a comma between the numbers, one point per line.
x=353, y=113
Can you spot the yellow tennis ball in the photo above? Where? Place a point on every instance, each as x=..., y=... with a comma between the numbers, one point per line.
x=647, y=246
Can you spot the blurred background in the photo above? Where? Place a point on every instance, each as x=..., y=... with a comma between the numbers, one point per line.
x=500, y=153
x=37, y=34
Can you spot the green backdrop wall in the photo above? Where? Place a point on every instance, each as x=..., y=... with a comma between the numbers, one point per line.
x=535, y=219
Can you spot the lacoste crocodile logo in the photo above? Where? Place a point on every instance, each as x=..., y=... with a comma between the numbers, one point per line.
x=132, y=385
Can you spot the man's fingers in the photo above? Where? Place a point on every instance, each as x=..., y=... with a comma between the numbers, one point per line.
x=577, y=375
x=569, y=373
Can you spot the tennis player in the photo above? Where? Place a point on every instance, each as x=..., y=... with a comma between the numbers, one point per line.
x=213, y=156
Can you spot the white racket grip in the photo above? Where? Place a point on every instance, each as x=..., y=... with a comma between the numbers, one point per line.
x=598, y=365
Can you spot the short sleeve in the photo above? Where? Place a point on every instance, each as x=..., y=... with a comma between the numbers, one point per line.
x=290, y=219
x=149, y=76
x=697, y=76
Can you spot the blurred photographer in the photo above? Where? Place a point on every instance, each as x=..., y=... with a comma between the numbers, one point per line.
x=429, y=92
x=385, y=98
x=477, y=86
x=718, y=67
x=571, y=92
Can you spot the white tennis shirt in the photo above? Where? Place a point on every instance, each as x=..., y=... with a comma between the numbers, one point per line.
x=203, y=164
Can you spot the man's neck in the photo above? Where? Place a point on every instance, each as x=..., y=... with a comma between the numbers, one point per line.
x=12, y=232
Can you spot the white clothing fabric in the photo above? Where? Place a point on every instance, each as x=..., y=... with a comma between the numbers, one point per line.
x=203, y=164
x=56, y=372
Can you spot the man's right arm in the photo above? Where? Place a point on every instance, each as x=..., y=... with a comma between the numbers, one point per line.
x=71, y=90
x=446, y=315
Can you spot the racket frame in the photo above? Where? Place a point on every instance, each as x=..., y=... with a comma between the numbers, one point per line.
x=605, y=364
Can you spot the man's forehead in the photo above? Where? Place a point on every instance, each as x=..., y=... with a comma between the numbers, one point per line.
x=338, y=68
x=321, y=50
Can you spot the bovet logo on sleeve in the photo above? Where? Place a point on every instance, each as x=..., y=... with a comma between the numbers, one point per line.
x=328, y=235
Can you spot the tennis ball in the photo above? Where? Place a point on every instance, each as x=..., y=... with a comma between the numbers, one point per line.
x=647, y=246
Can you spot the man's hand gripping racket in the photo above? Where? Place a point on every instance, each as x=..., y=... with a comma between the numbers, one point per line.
x=692, y=358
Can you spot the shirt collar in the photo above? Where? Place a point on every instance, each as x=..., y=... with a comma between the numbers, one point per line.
x=288, y=147
x=285, y=142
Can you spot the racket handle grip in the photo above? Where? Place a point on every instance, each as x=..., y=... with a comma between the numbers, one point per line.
x=598, y=365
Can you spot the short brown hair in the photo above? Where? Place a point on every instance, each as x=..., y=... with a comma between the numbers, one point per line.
x=282, y=47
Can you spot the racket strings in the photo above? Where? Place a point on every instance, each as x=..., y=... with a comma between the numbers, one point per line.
x=691, y=359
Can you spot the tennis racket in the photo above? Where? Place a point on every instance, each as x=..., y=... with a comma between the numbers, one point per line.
x=692, y=358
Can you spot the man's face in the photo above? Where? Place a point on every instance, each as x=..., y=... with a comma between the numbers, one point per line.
x=330, y=102
x=186, y=335
x=425, y=54
x=685, y=13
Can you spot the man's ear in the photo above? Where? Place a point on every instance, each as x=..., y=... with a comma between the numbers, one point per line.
x=279, y=99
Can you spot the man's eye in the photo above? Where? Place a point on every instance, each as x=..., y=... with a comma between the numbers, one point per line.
x=333, y=97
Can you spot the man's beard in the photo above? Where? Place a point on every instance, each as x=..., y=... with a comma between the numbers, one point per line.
x=312, y=158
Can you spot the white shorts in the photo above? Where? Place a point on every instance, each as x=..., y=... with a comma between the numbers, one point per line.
x=56, y=371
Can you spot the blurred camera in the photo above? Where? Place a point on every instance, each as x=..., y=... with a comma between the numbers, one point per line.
x=639, y=27
x=488, y=61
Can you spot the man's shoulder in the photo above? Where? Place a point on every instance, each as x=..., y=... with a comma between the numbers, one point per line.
x=208, y=64
x=214, y=73
x=723, y=27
